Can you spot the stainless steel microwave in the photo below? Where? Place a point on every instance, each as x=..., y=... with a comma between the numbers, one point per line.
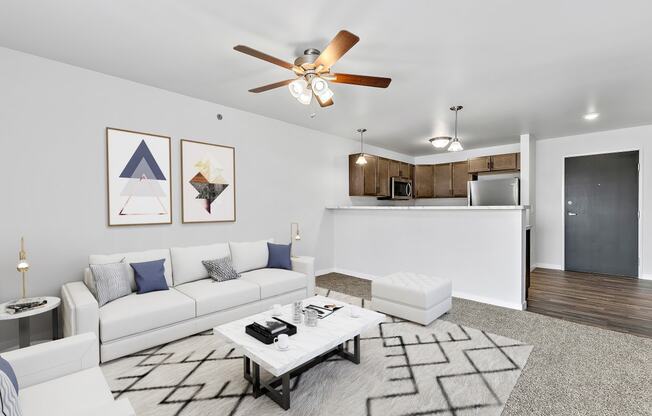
x=401, y=188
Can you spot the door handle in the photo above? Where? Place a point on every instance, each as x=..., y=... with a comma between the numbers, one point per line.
x=572, y=214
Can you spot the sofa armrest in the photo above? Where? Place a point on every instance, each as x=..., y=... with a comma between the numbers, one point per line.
x=43, y=362
x=306, y=265
x=79, y=309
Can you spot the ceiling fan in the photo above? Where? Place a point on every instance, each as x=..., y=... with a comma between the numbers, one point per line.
x=313, y=71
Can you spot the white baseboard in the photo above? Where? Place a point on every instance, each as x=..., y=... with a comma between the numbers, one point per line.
x=324, y=271
x=490, y=301
x=356, y=274
x=549, y=266
x=645, y=276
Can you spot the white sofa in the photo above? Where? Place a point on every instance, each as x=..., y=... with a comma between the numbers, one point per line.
x=63, y=378
x=194, y=303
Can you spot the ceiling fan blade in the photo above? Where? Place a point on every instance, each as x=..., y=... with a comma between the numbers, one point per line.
x=260, y=55
x=325, y=103
x=363, y=80
x=340, y=45
x=271, y=86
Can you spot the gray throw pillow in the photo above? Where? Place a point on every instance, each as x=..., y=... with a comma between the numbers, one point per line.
x=111, y=281
x=221, y=269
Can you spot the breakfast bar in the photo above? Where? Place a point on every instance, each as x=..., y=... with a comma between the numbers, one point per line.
x=481, y=249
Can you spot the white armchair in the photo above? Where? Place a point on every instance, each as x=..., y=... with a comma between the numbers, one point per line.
x=63, y=377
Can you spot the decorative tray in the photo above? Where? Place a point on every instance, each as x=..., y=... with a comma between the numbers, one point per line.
x=265, y=336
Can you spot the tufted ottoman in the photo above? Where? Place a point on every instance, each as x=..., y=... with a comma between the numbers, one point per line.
x=415, y=297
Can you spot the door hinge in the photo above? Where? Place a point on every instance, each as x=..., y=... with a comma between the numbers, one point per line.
x=639, y=215
x=638, y=167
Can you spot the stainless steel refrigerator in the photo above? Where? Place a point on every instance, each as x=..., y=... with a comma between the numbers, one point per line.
x=494, y=192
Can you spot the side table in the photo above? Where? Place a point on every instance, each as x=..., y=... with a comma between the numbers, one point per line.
x=23, y=318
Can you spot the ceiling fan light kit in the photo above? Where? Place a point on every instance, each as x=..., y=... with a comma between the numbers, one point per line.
x=313, y=70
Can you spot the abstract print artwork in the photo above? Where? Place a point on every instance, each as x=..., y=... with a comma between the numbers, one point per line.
x=138, y=176
x=208, y=182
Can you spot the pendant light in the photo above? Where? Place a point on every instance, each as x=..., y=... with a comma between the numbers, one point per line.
x=455, y=145
x=361, y=159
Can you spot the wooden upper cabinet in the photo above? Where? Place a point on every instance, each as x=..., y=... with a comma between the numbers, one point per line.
x=460, y=179
x=404, y=170
x=384, y=173
x=362, y=178
x=356, y=177
x=370, y=175
x=443, y=181
x=394, y=168
x=504, y=162
x=424, y=181
x=480, y=164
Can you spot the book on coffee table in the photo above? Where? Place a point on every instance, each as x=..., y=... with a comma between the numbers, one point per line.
x=273, y=326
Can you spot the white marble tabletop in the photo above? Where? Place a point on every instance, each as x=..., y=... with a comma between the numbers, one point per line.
x=52, y=302
x=307, y=343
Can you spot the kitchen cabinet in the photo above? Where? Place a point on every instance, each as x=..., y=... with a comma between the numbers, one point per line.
x=362, y=178
x=443, y=180
x=405, y=170
x=394, y=168
x=460, y=179
x=480, y=164
x=383, y=175
x=504, y=162
x=424, y=181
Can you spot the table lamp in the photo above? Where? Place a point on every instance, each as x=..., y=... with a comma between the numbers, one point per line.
x=294, y=234
x=23, y=265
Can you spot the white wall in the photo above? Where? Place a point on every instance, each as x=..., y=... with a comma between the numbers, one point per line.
x=52, y=164
x=550, y=156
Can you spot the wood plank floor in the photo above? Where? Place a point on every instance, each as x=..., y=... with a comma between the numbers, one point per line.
x=617, y=303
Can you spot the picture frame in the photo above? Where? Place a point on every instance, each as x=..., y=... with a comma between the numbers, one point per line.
x=208, y=183
x=138, y=178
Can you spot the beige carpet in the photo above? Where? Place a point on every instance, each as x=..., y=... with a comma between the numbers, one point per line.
x=406, y=369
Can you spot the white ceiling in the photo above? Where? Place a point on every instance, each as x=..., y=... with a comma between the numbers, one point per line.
x=517, y=66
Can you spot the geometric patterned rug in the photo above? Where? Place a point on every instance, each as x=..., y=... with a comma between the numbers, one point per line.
x=405, y=369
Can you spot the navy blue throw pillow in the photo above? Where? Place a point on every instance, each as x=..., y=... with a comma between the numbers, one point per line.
x=6, y=368
x=150, y=276
x=279, y=256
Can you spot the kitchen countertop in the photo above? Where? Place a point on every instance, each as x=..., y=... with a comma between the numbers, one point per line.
x=429, y=207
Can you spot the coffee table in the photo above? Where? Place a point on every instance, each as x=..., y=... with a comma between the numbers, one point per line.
x=308, y=347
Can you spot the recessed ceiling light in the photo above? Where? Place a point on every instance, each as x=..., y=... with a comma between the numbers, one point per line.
x=591, y=116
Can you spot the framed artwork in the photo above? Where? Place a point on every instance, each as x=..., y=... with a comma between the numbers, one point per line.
x=207, y=182
x=138, y=178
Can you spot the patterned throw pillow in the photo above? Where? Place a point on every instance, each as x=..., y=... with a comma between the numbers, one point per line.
x=111, y=280
x=221, y=269
x=9, y=404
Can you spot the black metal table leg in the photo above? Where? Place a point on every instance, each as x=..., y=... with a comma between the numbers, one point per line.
x=282, y=396
x=23, y=332
x=55, y=323
x=354, y=356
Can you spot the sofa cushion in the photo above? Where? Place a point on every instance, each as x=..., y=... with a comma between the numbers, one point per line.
x=64, y=396
x=249, y=256
x=111, y=281
x=136, y=257
x=273, y=282
x=186, y=261
x=150, y=276
x=135, y=313
x=279, y=256
x=211, y=296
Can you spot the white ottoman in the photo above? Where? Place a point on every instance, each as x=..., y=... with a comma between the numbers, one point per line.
x=415, y=297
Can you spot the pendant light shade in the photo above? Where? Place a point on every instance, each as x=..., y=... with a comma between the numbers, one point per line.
x=361, y=159
x=440, y=142
x=455, y=145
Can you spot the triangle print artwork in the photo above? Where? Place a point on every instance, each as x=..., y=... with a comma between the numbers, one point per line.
x=143, y=190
